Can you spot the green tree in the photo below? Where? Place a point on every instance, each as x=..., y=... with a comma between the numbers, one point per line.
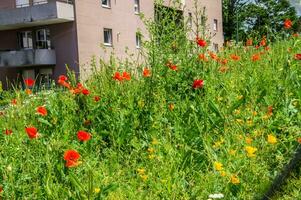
x=233, y=17
x=243, y=19
x=266, y=17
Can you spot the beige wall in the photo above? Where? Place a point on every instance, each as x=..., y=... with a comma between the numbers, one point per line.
x=7, y=4
x=92, y=18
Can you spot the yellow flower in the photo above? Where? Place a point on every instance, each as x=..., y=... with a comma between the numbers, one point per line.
x=237, y=112
x=223, y=173
x=218, y=144
x=240, y=121
x=151, y=156
x=249, y=140
x=141, y=171
x=151, y=150
x=234, y=180
x=144, y=177
x=250, y=122
x=240, y=97
x=218, y=166
x=97, y=190
x=171, y=106
x=265, y=117
x=272, y=139
x=232, y=152
x=155, y=141
x=250, y=151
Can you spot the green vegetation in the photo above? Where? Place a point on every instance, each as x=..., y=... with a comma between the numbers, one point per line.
x=185, y=124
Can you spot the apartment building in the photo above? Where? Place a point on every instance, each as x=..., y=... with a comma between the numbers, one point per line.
x=39, y=37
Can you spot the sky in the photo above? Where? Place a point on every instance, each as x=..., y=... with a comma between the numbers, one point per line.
x=297, y=4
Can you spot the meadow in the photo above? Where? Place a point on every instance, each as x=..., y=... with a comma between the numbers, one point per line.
x=186, y=124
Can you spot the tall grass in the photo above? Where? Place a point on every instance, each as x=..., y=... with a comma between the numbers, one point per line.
x=157, y=137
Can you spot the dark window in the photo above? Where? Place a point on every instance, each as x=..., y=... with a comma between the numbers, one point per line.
x=137, y=6
x=108, y=37
x=106, y=3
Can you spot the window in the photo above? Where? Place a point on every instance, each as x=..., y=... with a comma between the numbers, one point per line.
x=138, y=40
x=45, y=77
x=215, y=47
x=215, y=24
x=43, y=39
x=106, y=3
x=22, y=3
x=108, y=39
x=25, y=40
x=137, y=6
x=190, y=19
x=38, y=2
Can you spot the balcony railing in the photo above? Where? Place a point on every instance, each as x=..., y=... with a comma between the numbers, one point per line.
x=27, y=57
x=35, y=3
x=37, y=13
x=42, y=2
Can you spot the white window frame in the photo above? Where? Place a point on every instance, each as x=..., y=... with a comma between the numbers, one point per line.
x=106, y=5
x=138, y=40
x=45, y=40
x=39, y=2
x=215, y=24
x=110, y=42
x=26, y=42
x=22, y=3
x=137, y=6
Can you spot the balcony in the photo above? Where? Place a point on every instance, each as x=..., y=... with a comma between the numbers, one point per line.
x=37, y=14
x=29, y=57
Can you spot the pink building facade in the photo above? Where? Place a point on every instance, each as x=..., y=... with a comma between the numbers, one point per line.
x=38, y=38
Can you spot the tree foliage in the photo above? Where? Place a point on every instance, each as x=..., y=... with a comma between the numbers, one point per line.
x=257, y=17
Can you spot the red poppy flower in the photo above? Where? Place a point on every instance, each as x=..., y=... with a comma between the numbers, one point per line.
x=41, y=110
x=270, y=110
x=29, y=82
x=63, y=78
x=203, y=57
x=201, y=42
x=213, y=55
x=263, y=42
x=223, y=69
x=198, y=84
x=249, y=42
x=255, y=57
x=126, y=76
x=298, y=56
x=295, y=35
x=173, y=67
x=71, y=157
x=288, y=24
x=146, y=72
x=32, y=132
x=96, y=98
x=299, y=140
x=83, y=136
x=64, y=83
x=14, y=101
x=85, y=92
x=8, y=132
x=235, y=57
x=117, y=76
